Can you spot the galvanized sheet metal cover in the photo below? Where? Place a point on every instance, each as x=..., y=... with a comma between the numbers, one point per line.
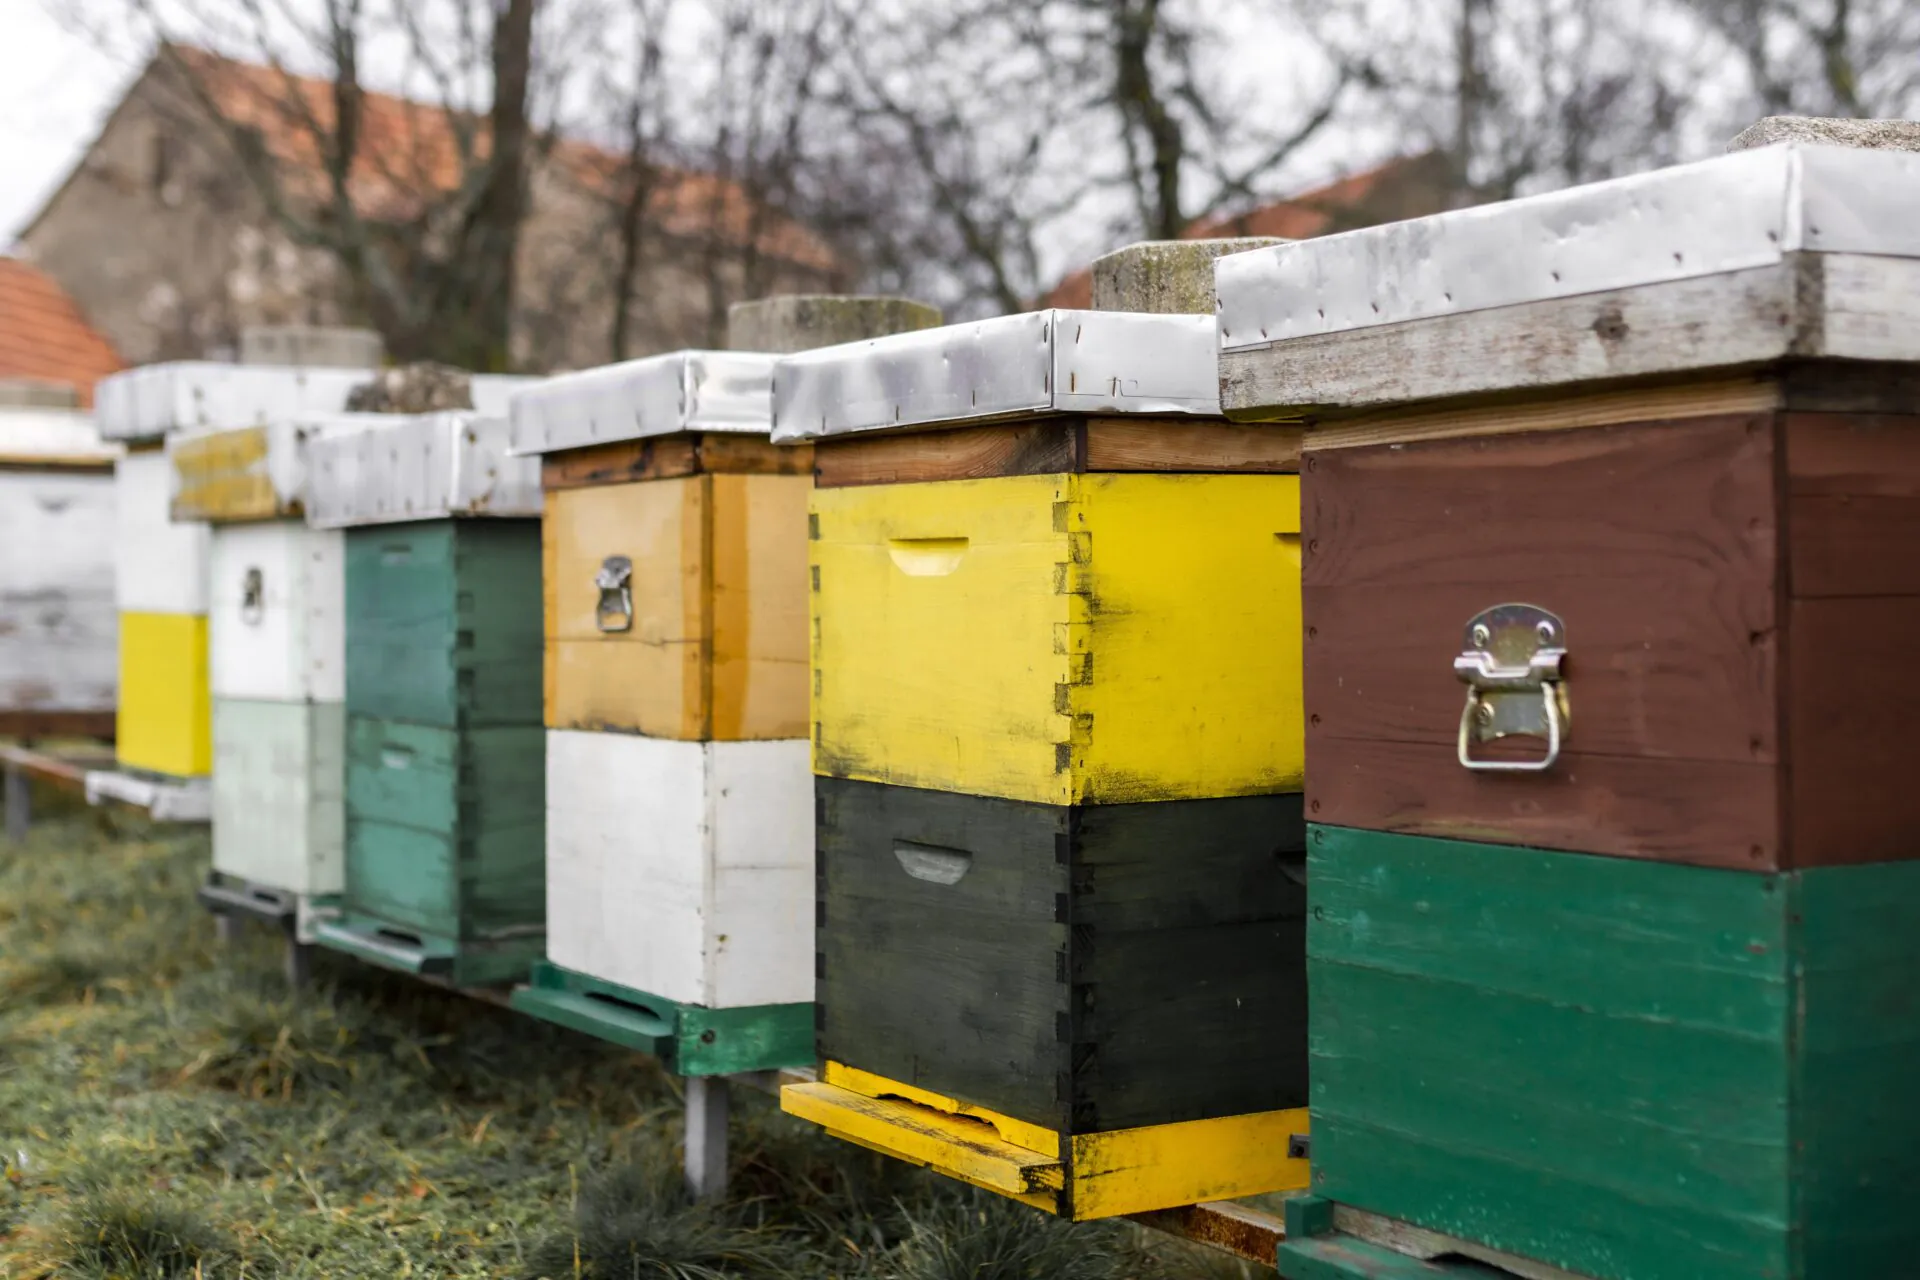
x=422, y=467
x=1730, y=213
x=1039, y=362
x=202, y=395
x=657, y=396
x=34, y=435
x=284, y=461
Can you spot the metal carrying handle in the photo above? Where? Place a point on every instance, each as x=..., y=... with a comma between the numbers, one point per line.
x=1512, y=667
x=253, y=597
x=614, y=613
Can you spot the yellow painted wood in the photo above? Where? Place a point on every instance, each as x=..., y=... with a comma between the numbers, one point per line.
x=717, y=648
x=1105, y=1175
x=223, y=476
x=955, y=1145
x=1064, y=639
x=1031, y=1136
x=1164, y=1165
x=165, y=720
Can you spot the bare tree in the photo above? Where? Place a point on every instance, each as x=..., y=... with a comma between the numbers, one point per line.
x=1821, y=57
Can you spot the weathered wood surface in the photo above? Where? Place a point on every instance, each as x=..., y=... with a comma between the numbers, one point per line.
x=57, y=724
x=1064, y=977
x=1838, y=306
x=1058, y=445
x=59, y=638
x=717, y=646
x=445, y=829
x=165, y=722
x=1738, y=594
x=443, y=622
x=1617, y=1067
x=1060, y=639
x=668, y=457
x=682, y=869
x=277, y=612
x=158, y=566
x=279, y=781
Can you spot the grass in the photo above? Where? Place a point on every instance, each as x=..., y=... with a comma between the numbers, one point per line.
x=169, y=1110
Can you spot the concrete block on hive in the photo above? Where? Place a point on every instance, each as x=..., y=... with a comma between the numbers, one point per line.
x=311, y=346
x=801, y=322
x=1165, y=277
x=1877, y=135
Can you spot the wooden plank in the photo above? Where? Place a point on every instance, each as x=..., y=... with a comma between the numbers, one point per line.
x=57, y=724
x=757, y=686
x=1025, y=448
x=1231, y=1228
x=1682, y=326
x=1557, y=411
x=1853, y=504
x=1134, y=1170
x=667, y=457
x=58, y=636
x=1867, y=309
x=1851, y=705
x=1654, y=542
x=62, y=770
x=1418, y=1242
x=1582, y=1061
x=1135, y=442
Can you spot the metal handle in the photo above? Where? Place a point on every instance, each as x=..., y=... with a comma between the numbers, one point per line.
x=253, y=597
x=1512, y=664
x=614, y=613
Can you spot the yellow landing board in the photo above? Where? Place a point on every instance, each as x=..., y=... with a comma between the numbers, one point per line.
x=1105, y=1175
x=165, y=721
x=1065, y=639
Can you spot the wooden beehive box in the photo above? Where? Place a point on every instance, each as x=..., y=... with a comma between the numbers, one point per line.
x=1612, y=509
x=679, y=863
x=161, y=572
x=1057, y=733
x=58, y=630
x=444, y=795
x=276, y=657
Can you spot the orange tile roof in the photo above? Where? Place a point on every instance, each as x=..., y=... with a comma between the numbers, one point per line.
x=408, y=148
x=43, y=335
x=1300, y=218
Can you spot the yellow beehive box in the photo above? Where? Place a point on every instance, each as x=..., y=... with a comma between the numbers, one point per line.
x=165, y=722
x=1072, y=583
x=674, y=550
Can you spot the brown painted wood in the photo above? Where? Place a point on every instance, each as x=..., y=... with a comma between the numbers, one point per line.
x=667, y=457
x=1849, y=386
x=57, y=724
x=1853, y=489
x=1655, y=542
x=1852, y=704
x=1187, y=444
x=1024, y=448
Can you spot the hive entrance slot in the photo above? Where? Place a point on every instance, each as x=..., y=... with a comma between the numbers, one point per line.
x=631, y=1006
x=927, y=557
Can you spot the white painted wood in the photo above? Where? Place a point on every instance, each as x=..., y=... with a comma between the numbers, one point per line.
x=278, y=793
x=159, y=566
x=682, y=869
x=1872, y=307
x=59, y=630
x=290, y=643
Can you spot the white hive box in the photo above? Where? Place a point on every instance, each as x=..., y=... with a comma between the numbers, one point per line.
x=682, y=869
x=277, y=621
x=159, y=566
x=278, y=779
x=58, y=628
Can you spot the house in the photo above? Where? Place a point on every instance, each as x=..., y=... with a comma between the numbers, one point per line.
x=49, y=354
x=166, y=244
x=1410, y=187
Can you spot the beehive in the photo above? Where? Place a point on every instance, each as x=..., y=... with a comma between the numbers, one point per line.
x=276, y=657
x=1610, y=554
x=161, y=573
x=57, y=623
x=679, y=858
x=1057, y=731
x=444, y=805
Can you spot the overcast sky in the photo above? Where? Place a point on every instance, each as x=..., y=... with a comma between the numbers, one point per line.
x=54, y=92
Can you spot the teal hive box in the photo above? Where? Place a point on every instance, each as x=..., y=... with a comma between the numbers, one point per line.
x=445, y=780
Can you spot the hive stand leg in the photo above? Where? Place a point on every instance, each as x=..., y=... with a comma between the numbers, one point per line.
x=707, y=1137
x=226, y=928
x=298, y=962
x=19, y=801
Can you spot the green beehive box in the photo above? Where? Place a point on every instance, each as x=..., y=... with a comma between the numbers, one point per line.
x=445, y=774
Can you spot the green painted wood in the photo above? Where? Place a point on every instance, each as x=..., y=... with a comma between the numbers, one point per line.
x=1339, y=1257
x=494, y=962
x=1068, y=975
x=444, y=622
x=1622, y=1068
x=446, y=829
x=689, y=1040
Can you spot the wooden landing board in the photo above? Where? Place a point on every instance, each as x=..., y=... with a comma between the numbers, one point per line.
x=1054, y=445
x=1624, y=1069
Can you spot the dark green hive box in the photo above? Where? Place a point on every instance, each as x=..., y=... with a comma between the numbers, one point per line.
x=1631, y=1070
x=446, y=809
